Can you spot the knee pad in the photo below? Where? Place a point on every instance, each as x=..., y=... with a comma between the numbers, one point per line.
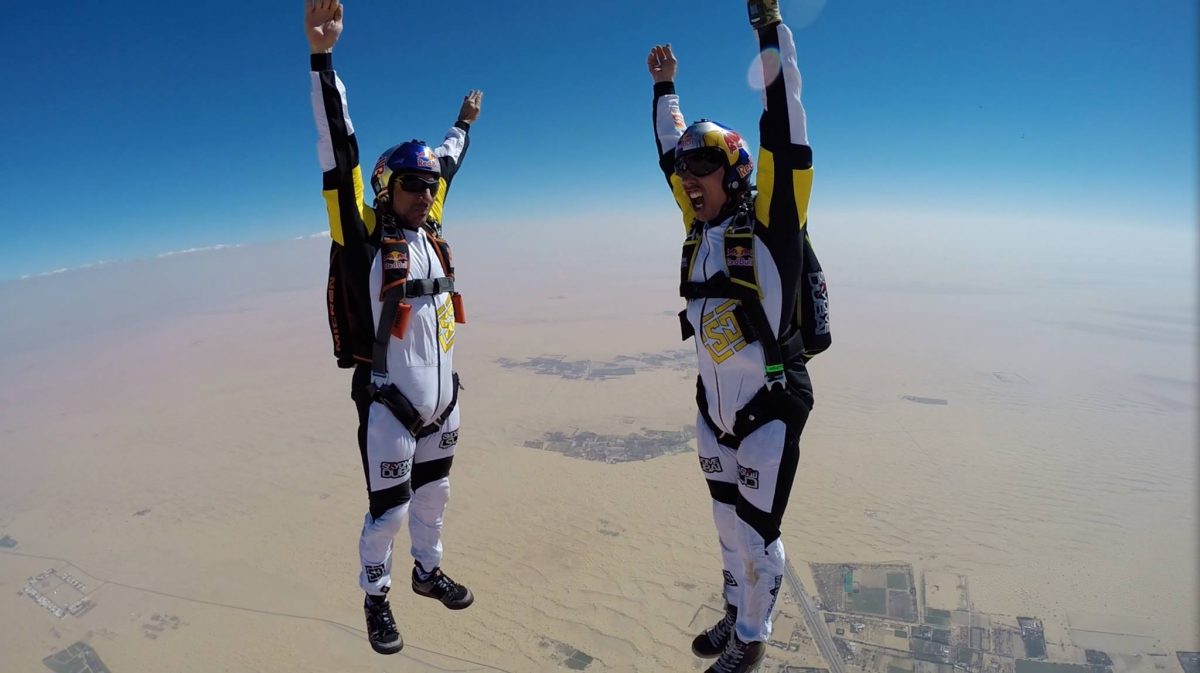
x=430, y=471
x=382, y=501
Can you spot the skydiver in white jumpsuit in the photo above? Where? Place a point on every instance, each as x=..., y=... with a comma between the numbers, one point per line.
x=404, y=383
x=743, y=275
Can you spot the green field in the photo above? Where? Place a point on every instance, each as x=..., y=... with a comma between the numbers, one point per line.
x=938, y=617
x=870, y=600
x=897, y=581
x=901, y=633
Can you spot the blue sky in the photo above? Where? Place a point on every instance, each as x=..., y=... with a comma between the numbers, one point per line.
x=148, y=126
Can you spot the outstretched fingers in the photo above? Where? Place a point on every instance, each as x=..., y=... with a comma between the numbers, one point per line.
x=320, y=11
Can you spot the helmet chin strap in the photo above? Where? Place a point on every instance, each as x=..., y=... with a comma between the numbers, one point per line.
x=735, y=201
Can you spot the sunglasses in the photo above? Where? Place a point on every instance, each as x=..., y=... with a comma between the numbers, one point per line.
x=701, y=162
x=416, y=184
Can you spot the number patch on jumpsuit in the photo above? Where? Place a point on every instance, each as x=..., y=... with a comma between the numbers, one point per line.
x=374, y=572
x=445, y=315
x=721, y=332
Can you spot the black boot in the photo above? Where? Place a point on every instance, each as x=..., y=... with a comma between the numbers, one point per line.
x=452, y=594
x=711, y=643
x=381, y=626
x=739, y=656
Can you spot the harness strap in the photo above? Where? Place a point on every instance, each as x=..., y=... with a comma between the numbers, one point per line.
x=739, y=283
x=719, y=286
x=390, y=396
x=768, y=404
x=423, y=287
x=396, y=286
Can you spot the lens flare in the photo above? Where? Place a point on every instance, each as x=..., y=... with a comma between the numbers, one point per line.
x=764, y=69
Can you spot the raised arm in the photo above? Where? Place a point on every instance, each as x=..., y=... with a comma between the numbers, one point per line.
x=668, y=122
x=785, y=159
x=350, y=220
x=454, y=146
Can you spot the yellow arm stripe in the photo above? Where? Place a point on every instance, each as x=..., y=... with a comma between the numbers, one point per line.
x=801, y=190
x=435, y=211
x=334, y=210
x=335, y=216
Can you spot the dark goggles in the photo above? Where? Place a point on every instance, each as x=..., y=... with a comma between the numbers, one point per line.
x=416, y=184
x=701, y=162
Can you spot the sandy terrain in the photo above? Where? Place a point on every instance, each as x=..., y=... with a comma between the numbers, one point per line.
x=174, y=430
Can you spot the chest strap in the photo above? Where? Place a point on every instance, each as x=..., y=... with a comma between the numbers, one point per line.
x=423, y=287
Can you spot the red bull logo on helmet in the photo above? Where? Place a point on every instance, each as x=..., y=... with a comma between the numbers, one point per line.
x=733, y=141
x=427, y=161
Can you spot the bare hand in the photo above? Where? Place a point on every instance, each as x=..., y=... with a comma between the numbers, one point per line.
x=662, y=64
x=472, y=104
x=323, y=24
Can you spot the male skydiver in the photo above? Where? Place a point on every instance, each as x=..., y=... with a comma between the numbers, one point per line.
x=743, y=275
x=393, y=309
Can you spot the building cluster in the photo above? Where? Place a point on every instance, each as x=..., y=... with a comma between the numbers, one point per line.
x=1033, y=636
x=33, y=589
x=623, y=365
x=43, y=601
x=616, y=448
x=71, y=580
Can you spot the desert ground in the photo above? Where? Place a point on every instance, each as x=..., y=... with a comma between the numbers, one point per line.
x=175, y=437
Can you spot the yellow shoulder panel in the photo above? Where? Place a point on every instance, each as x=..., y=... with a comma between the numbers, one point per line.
x=684, y=203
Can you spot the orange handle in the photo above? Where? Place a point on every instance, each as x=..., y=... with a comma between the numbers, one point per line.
x=460, y=314
x=400, y=324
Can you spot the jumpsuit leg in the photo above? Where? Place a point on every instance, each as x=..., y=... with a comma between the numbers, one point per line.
x=389, y=457
x=766, y=467
x=719, y=465
x=431, y=491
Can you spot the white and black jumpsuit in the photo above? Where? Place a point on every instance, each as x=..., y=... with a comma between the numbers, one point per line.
x=748, y=438
x=405, y=475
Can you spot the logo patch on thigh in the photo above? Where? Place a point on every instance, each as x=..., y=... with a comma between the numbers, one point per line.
x=374, y=573
x=398, y=470
x=748, y=477
x=729, y=581
x=449, y=439
x=711, y=465
x=775, y=593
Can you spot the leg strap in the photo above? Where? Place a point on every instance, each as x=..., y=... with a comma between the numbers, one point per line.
x=391, y=397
